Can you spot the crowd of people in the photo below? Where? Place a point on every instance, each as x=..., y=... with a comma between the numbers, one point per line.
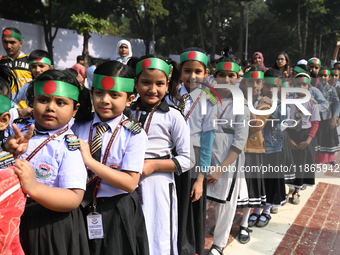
x=125, y=157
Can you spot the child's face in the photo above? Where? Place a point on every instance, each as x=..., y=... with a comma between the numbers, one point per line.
x=324, y=78
x=123, y=50
x=334, y=78
x=110, y=104
x=226, y=77
x=268, y=90
x=314, y=67
x=11, y=45
x=302, y=85
x=53, y=112
x=39, y=68
x=152, y=86
x=192, y=71
x=256, y=84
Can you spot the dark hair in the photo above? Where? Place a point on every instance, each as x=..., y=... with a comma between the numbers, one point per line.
x=213, y=62
x=39, y=54
x=173, y=93
x=273, y=73
x=194, y=49
x=84, y=111
x=227, y=57
x=94, y=61
x=275, y=66
x=80, y=58
x=71, y=71
x=117, y=69
x=8, y=79
x=12, y=28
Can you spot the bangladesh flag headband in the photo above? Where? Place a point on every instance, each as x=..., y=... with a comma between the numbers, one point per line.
x=227, y=66
x=194, y=55
x=314, y=61
x=11, y=33
x=111, y=83
x=254, y=75
x=324, y=71
x=303, y=80
x=273, y=80
x=43, y=60
x=335, y=72
x=56, y=88
x=5, y=104
x=299, y=70
x=153, y=63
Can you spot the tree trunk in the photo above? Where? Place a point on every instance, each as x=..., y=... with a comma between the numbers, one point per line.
x=306, y=31
x=315, y=41
x=213, y=31
x=298, y=28
x=147, y=46
x=200, y=27
x=86, y=49
x=241, y=32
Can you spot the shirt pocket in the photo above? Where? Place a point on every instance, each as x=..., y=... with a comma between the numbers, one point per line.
x=45, y=169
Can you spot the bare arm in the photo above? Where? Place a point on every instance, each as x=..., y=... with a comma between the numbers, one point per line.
x=336, y=51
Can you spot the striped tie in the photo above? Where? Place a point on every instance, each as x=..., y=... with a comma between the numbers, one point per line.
x=182, y=102
x=97, y=142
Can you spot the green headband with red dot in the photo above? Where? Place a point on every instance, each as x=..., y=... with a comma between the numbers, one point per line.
x=5, y=104
x=299, y=70
x=324, y=71
x=43, y=60
x=314, y=61
x=12, y=33
x=302, y=80
x=254, y=75
x=56, y=88
x=335, y=72
x=227, y=66
x=112, y=83
x=153, y=63
x=273, y=80
x=194, y=55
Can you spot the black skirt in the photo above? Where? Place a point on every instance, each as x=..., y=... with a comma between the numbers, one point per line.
x=287, y=159
x=329, y=138
x=123, y=225
x=303, y=159
x=191, y=215
x=255, y=180
x=43, y=231
x=274, y=181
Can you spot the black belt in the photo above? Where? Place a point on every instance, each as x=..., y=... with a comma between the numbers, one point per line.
x=163, y=157
x=228, y=131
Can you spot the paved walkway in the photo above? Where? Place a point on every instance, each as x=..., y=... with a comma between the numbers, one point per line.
x=312, y=227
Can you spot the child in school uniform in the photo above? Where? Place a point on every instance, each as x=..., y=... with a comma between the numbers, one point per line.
x=191, y=185
x=113, y=148
x=301, y=134
x=168, y=135
x=51, y=171
x=225, y=188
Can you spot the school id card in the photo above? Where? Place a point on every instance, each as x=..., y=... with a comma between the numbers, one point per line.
x=95, y=225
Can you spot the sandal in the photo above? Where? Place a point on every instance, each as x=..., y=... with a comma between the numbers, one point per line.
x=261, y=223
x=295, y=200
x=251, y=223
x=244, y=238
x=215, y=250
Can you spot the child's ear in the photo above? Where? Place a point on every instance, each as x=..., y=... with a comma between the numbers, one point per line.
x=130, y=100
x=4, y=120
x=51, y=67
x=76, y=110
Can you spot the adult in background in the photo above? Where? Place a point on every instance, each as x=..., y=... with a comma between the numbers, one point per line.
x=17, y=60
x=123, y=51
x=90, y=71
x=282, y=63
x=259, y=60
x=79, y=67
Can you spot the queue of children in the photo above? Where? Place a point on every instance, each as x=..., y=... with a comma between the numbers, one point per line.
x=133, y=170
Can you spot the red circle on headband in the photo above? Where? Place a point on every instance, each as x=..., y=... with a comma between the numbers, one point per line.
x=255, y=75
x=7, y=32
x=324, y=71
x=301, y=79
x=227, y=66
x=50, y=87
x=192, y=55
x=336, y=72
x=37, y=59
x=146, y=63
x=316, y=60
x=277, y=81
x=108, y=83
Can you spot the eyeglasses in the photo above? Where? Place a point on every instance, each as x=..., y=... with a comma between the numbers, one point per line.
x=280, y=59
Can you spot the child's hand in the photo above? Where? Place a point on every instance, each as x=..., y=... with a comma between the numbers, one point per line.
x=85, y=150
x=25, y=112
x=266, y=100
x=292, y=144
x=148, y=168
x=334, y=122
x=213, y=175
x=26, y=175
x=17, y=144
x=302, y=145
x=197, y=189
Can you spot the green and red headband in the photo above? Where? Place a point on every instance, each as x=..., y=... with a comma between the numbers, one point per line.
x=194, y=55
x=227, y=66
x=299, y=69
x=5, y=104
x=12, y=33
x=254, y=75
x=153, y=63
x=43, y=60
x=314, y=61
x=285, y=84
x=302, y=80
x=273, y=80
x=335, y=72
x=324, y=71
x=56, y=88
x=112, y=83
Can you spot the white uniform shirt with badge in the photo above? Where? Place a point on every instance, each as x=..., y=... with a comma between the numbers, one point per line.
x=55, y=165
x=311, y=107
x=127, y=151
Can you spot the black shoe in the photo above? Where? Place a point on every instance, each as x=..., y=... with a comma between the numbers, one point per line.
x=295, y=200
x=244, y=238
x=274, y=209
x=303, y=187
x=215, y=250
x=251, y=223
x=212, y=230
x=333, y=163
x=261, y=223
